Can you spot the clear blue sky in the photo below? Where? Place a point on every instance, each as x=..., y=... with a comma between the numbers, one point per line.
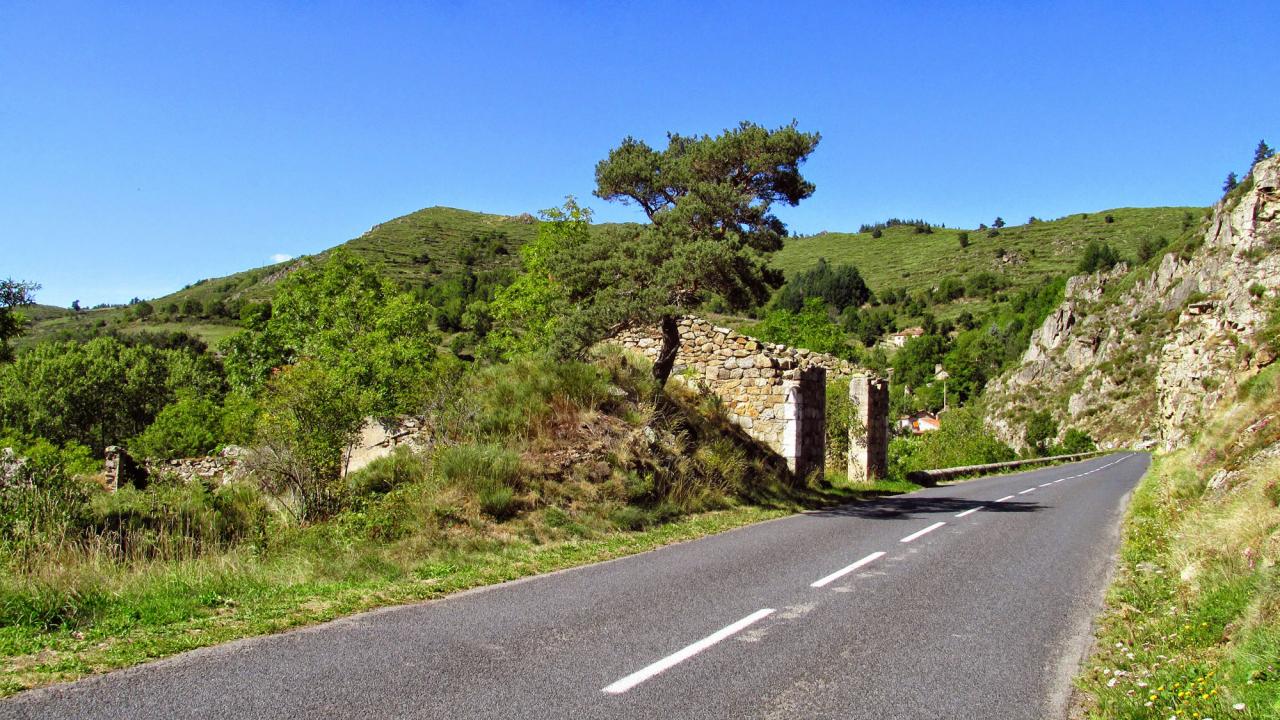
x=147, y=145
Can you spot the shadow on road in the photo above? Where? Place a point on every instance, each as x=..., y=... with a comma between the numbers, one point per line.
x=897, y=508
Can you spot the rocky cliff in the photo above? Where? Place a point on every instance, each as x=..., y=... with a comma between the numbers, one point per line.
x=1146, y=353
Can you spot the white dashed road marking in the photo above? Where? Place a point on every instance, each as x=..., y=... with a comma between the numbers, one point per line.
x=847, y=569
x=676, y=658
x=918, y=533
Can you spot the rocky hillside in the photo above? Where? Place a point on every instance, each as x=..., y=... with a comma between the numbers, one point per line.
x=1146, y=353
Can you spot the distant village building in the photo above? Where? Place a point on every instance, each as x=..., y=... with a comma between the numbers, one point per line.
x=899, y=339
x=920, y=423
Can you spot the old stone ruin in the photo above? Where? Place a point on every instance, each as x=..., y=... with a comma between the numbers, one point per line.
x=375, y=440
x=777, y=394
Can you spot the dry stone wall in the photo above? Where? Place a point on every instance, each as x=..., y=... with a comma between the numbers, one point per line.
x=775, y=393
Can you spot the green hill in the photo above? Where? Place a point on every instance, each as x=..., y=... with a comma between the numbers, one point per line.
x=435, y=243
x=1024, y=255
x=417, y=248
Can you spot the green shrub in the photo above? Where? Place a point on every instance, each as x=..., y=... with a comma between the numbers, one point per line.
x=173, y=520
x=840, y=412
x=1040, y=432
x=1098, y=256
x=47, y=499
x=242, y=513
x=630, y=517
x=1075, y=441
x=188, y=427
x=962, y=440
x=497, y=501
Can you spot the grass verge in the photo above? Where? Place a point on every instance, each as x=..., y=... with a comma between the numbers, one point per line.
x=1192, y=624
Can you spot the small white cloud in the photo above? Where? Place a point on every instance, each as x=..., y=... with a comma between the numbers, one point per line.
x=280, y=257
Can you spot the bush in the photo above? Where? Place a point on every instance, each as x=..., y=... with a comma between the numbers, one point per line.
x=311, y=415
x=1040, y=432
x=811, y=328
x=189, y=427
x=1075, y=441
x=173, y=520
x=1098, y=257
x=46, y=500
x=840, y=416
x=964, y=239
x=962, y=440
x=839, y=287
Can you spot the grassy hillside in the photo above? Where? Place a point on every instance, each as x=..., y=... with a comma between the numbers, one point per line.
x=1026, y=255
x=416, y=248
x=437, y=242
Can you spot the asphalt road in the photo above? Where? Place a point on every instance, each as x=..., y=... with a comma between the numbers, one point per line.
x=916, y=606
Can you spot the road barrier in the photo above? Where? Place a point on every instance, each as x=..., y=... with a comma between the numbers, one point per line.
x=932, y=477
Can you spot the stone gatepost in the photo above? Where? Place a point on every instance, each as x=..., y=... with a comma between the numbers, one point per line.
x=804, y=437
x=869, y=429
x=112, y=466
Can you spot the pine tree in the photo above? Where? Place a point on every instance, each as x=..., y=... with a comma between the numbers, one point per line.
x=1262, y=152
x=1231, y=183
x=711, y=230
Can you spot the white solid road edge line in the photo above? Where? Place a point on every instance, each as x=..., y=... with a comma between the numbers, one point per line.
x=918, y=533
x=676, y=658
x=847, y=569
x=970, y=511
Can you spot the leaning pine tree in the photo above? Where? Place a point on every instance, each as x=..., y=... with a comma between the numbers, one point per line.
x=711, y=232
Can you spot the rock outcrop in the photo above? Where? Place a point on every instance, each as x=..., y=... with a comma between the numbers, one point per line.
x=1139, y=355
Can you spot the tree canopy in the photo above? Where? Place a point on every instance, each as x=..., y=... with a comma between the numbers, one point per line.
x=13, y=295
x=839, y=287
x=709, y=201
x=345, y=315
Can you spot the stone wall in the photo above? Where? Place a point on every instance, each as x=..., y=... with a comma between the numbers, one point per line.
x=775, y=393
x=221, y=468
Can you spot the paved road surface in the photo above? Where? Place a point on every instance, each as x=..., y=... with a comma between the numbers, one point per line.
x=967, y=601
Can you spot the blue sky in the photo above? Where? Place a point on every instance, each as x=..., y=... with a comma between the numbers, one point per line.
x=146, y=145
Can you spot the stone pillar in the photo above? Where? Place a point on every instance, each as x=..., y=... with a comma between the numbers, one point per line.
x=111, y=467
x=869, y=429
x=804, y=438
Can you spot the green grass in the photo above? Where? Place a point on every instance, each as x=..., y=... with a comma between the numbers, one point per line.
x=900, y=258
x=1192, y=625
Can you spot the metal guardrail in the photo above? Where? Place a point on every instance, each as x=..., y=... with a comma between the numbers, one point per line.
x=932, y=477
